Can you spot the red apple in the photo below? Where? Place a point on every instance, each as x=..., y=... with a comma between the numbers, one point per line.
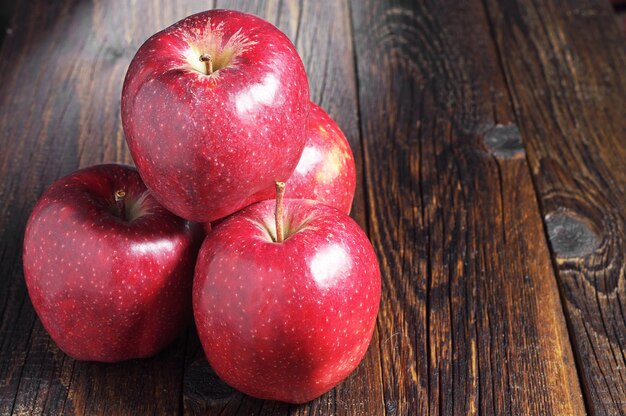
x=286, y=320
x=326, y=170
x=214, y=109
x=108, y=269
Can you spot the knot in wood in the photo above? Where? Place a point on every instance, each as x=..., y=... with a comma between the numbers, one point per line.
x=504, y=141
x=570, y=237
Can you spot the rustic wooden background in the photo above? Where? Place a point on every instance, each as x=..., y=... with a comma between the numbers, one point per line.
x=490, y=138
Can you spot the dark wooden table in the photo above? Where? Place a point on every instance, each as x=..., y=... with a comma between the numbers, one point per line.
x=490, y=138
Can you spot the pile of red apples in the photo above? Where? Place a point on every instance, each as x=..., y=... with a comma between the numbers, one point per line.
x=237, y=214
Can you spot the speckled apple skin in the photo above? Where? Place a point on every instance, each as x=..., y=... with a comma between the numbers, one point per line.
x=205, y=145
x=326, y=170
x=107, y=289
x=286, y=321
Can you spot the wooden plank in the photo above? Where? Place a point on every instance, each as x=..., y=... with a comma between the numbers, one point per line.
x=471, y=320
x=564, y=65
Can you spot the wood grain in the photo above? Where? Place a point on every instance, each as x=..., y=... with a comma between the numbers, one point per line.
x=471, y=320
x=564, y=65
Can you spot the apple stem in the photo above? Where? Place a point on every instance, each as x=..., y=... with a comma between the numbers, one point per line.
x=208, y=61
x=278, y=214
x=120, y=203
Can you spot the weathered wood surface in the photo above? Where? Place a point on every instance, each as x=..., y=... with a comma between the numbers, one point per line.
x=490, y=141
x=565, y=71
x=471, y=309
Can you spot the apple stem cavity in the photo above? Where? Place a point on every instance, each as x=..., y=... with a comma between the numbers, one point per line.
x=208, y=61
x=279, y=212
x=120, y=196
